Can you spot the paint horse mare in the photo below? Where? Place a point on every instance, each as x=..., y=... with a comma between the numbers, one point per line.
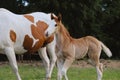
x=27, y=33
x=69, y=49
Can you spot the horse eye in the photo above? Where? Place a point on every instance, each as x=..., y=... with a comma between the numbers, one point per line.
x=55, y=25
x=46, y=34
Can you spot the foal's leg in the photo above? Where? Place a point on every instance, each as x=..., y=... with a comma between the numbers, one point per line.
x=9, y=51
x=99, y=66
x=60, y=63
x=99, y=69
x=43, y=54
x=53, y=57
x=66, y=65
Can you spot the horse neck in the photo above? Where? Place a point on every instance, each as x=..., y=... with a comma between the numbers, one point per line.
x=63, y=36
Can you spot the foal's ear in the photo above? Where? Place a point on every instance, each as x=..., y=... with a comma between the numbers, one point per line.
x=53, y=16
x=59, y=17
x=56, y=18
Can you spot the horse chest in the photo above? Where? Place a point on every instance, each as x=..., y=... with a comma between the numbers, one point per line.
x=59, y=52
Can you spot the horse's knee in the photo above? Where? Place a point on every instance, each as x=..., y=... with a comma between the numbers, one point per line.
x=54, y=59
x=46, y=62
x=15, y=67
x=101, y=67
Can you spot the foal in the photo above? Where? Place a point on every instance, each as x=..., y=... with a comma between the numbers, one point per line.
x=69, y=49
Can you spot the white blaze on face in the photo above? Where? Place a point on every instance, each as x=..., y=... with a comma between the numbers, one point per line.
x=51, y=29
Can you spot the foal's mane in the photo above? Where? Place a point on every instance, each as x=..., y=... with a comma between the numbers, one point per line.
x=64, y=31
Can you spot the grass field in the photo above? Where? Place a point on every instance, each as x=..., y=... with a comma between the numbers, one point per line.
x=33, y=72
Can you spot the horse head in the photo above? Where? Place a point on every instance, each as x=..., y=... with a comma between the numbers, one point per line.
x=52, y=26
x=58, y=20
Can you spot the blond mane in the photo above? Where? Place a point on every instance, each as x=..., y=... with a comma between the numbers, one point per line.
x=64, y=32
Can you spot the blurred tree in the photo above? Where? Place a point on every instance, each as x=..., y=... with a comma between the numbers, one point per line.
x=10, y=5
x=111, y=25
x=99, y=18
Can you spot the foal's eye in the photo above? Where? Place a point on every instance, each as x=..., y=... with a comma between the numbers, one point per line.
x=55, y=25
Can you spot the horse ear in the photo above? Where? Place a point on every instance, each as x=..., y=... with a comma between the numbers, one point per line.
x=52, y=17
x=59, y=17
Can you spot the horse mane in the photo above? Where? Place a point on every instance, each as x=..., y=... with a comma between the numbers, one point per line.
x=65, y=32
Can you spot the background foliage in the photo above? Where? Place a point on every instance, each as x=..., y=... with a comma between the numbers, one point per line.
x=99, y=18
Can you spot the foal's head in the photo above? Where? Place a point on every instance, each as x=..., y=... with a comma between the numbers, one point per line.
x=58, y=21
x=60, y=26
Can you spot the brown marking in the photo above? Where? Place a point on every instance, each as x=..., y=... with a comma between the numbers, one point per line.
x=28, y=42
x=37, y=45
x=29, y=17
x=38, y=33
x=12, y=35
x=49, y=40
x=42, y=25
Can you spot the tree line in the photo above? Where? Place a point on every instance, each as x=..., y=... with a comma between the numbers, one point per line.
x=99, y=18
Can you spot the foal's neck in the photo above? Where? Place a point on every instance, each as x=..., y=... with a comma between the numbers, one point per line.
x=63, y=35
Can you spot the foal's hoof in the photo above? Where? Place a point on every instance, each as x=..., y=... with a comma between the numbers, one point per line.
x=48, y=78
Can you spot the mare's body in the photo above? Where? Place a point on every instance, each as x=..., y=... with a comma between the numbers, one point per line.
x=27, y=33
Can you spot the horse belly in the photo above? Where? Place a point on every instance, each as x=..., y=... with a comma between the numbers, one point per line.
x=80, y=52
x=1, y=51
x=19, y=50
x=7, y=42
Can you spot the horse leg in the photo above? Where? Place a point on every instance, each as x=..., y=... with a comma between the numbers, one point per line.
x=43, y=54
x=9, y=51
x=53, y=57
x=59, y=66
x=66, y=66
x=99, y=66
x=99, y=71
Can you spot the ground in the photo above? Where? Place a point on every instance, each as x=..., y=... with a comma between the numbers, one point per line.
x=106, y=63
x=78, y=63
x=34, y=70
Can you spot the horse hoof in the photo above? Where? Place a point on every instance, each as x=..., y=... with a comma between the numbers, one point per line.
x=48, y=78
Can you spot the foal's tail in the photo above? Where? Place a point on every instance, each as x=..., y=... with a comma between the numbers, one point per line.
x=106, y=50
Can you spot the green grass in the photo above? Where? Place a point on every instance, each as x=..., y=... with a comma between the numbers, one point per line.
x=90, y=74
x=29, y=72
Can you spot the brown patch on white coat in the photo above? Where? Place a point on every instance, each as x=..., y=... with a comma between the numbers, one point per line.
x=12, y=35
x=38, y=32
x=29, y=17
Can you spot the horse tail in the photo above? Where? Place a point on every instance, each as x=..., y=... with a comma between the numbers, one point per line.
x=106, y=50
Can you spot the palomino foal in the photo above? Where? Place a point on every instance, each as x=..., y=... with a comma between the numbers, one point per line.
x=27, y=33
x=69, y=49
